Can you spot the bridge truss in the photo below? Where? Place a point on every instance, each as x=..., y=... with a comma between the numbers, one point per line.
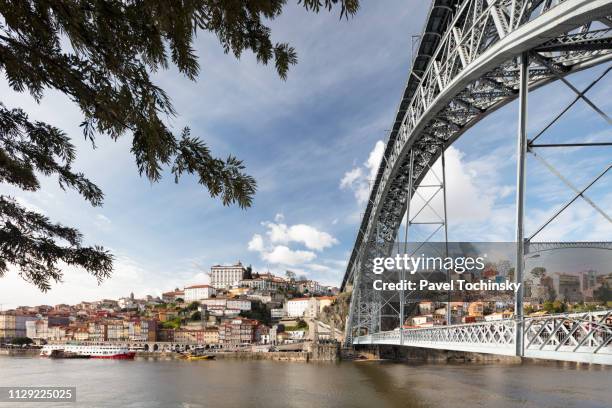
x=474, y=56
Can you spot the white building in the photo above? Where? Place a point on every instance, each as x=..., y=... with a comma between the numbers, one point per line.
x=198, y=292
x=302, y=307
x=224, y=303
x=226, y=276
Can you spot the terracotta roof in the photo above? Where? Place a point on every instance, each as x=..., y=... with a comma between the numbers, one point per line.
x=198, y=286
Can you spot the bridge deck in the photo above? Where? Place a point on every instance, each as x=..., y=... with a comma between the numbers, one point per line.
x=577, y=337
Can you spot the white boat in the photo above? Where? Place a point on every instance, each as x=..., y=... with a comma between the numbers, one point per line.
x=93, y=351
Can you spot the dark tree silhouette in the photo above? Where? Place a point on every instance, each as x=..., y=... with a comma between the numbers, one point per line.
x=100, y=53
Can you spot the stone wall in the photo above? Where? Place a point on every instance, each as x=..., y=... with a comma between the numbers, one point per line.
x=276, y=356
x=324, y=352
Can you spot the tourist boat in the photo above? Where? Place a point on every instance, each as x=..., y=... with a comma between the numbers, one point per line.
x=92, y=351
x=60, y=353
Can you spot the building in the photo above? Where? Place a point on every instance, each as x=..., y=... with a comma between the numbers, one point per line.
x=127, y=303
x=240, y=291
x=498, y=316
x=309, y=286
x=428, y=307
x=117, y=330
x=268, y=297
x=172, y=296
x=428, y=320
x=165, y=335
x=164, y=315
x=13, y=325
x=198, y=292
x=81, y=334
x=277, y=313
x=324, y=301
x=265, y=282
x=567, y=287
x=302, y=307
x=238, y=331
x=476, y=309
x=211, y=335
x=262, y=334
x=189, y=336
x=222, y=303
x=588, y=279
x=226, y=276
x=308, y=306
x=142, y=330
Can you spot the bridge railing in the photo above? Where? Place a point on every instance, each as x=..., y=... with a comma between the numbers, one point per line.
x=585, y=337
x=589, y=332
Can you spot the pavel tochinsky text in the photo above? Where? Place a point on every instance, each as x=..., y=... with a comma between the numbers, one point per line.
x=424, y=263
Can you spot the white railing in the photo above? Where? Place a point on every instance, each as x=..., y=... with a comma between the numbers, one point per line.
x=581, y=337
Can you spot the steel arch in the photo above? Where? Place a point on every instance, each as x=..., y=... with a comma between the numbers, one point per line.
x=466, y=68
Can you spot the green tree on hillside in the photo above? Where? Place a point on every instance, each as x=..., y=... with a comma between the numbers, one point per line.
x=100, y=53
x=19, y=341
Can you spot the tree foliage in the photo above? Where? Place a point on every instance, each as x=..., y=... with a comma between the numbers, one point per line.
x=20, y=341
x=101, y=54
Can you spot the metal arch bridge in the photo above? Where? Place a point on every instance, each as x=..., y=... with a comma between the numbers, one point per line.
x=474, y=56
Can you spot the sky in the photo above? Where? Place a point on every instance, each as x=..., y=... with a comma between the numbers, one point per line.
x=313, y=143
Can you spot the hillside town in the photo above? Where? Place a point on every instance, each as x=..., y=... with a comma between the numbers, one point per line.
x=240, y=309
x=237, y=308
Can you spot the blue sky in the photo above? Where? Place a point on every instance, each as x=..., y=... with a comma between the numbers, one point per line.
x=311, y=142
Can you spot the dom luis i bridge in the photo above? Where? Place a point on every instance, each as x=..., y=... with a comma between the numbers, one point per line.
x=473, y=57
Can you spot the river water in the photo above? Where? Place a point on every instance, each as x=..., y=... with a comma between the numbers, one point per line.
x=239, y=383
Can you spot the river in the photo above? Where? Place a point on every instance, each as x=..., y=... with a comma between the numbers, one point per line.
x=267, y=384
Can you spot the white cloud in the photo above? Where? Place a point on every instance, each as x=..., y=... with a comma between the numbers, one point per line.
x=274, y=246
x=374, y=159
x=200, y=278
x=28, y=205
x=578, y=220
x=285, y=256
x=318, y=267
x=256, y=243
x=360, y=179
x=279, y=217
x=350, y=177
x=311, y=237
x=102, y=222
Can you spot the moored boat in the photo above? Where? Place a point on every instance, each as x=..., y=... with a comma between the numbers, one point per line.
x=196, y=358
x=60, y=353
x=88, y=351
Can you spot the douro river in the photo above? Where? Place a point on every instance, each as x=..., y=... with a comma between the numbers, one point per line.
x=269, y=384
